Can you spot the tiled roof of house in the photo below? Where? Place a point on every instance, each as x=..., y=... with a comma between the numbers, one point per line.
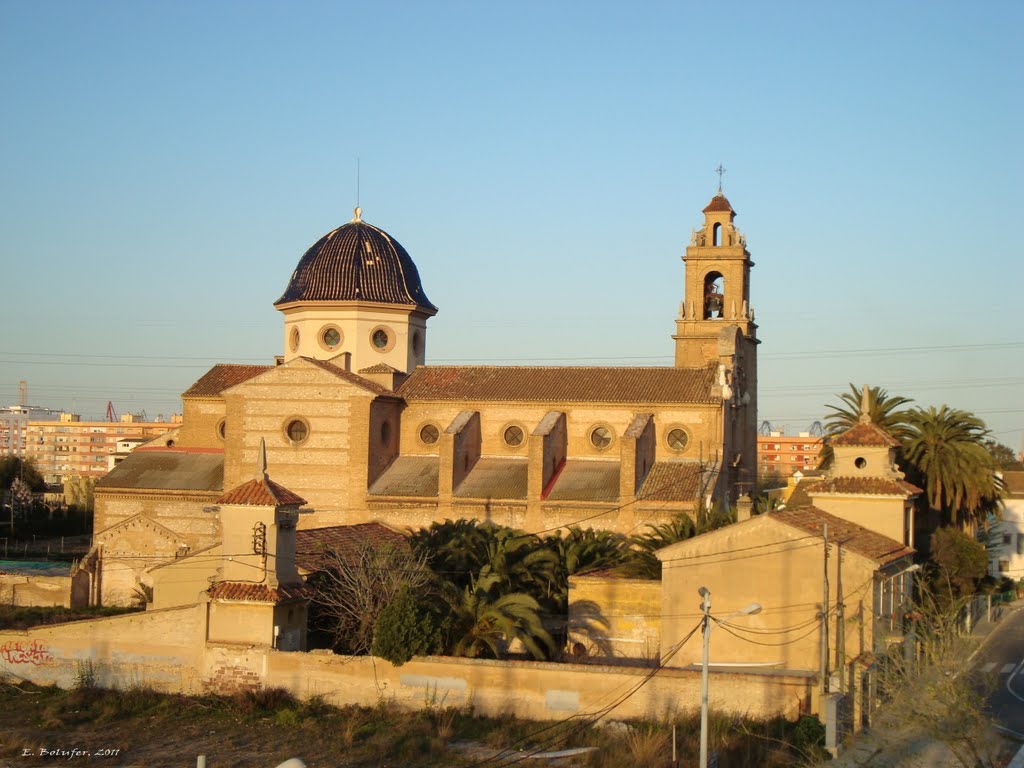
x=346, y=540
x=352, y=378
x=379, y=368
x=1014, y=481
x=866, y=486
x=356, y=262
x=718, y=203
x=563, y=384
x=866, y=433
x=672, y=481
x=854, y=537
x=585, y=480
x=257, y=593
x=261, y=492
x=222, y=376
x=167, y=470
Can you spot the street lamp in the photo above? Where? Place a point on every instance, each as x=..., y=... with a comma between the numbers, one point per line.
x=753, y=608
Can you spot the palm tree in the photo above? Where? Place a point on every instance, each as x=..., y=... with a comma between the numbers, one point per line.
x=485, y=623
x=946, y=447
x=885, y=411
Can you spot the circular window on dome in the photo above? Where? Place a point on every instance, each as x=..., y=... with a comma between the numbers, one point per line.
x=331, y=337
x=429, y=433
x=601, y=436
x=417, y=343
x=382, y=338
x=293, y=339
x=677, y=439
x=222, y=429
x=513, y=435
x=296, y=430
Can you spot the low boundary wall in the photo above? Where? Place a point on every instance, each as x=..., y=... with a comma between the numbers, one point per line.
x=166, y=650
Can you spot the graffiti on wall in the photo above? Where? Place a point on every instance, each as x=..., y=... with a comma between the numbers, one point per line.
x=17, y=652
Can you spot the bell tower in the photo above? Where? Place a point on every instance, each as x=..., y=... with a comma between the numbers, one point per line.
x=717, y=287
x=716, y=325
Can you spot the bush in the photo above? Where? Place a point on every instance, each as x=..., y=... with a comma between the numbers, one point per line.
x=405, y=628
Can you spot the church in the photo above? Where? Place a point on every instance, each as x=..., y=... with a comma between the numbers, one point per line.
x=362, y=429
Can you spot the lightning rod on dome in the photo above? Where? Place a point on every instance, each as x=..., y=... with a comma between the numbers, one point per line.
x=358, y=211
x=720, y=170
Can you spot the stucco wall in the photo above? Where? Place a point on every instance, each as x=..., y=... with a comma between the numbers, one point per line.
x=615, y=618
x=35, y=590
x=166, y=650
x=160, y=649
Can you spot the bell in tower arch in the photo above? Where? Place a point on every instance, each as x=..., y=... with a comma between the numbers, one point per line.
x=714, y=296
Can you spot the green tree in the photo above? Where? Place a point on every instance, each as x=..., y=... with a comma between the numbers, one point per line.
x=12, y=468
x=958, y=563
x=946, y=447
x=1003, y=456
x=407, y=627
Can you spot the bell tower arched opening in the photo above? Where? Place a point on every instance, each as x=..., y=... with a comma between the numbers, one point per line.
x=714, y=296
x=716, y=234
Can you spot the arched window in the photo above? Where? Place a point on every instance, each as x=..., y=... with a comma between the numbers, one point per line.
x=716, y=235
x=714, y=296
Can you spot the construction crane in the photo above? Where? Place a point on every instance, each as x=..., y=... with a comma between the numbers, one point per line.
x=111, y=413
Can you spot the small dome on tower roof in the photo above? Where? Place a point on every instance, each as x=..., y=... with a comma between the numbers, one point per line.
x=356, y=262
x=718, y=203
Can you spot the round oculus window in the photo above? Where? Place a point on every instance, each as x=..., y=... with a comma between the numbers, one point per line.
x=295, y=339
x=513, y=435
x=297, y=430
x=429, y=434
x=417, y=343
x=331, y=337
x=677, y=439
x=600, y=437
x=380, y=339
x=222, y=429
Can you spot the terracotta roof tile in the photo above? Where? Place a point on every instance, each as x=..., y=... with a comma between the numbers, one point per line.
x=854, y=537
x=671, y=481
x=718, y=203
x=866, y=486
x=565, y=384
x=347, y=540
x=257, y=593
x=352, y=378
x=379, y=368
x=866, y=433
x=261, y=492
x=222, y=376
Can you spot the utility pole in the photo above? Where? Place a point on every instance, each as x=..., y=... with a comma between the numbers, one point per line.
x=706, y=607
x=840, y=620
x=824, y=617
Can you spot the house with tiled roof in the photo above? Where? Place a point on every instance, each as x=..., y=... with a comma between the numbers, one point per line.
x=842, y=540
x=845, y=541
x=360, y=426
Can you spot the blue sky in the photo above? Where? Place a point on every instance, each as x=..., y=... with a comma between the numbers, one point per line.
x=164, y=167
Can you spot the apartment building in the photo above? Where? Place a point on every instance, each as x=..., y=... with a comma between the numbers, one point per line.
x=71, y=446
x=782, y=454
